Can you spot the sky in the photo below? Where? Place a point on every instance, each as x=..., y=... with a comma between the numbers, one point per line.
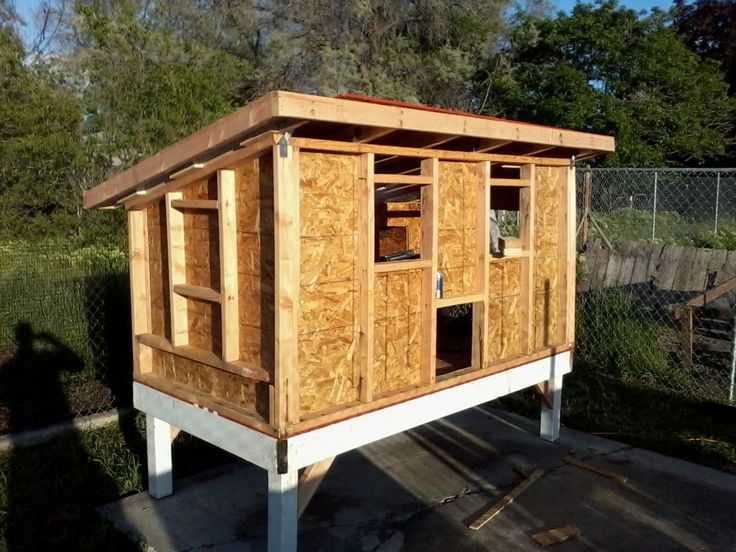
x=646, y=5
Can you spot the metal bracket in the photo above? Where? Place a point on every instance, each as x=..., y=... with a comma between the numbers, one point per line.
x=284, y=145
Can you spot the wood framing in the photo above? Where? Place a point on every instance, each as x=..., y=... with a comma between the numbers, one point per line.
x=311, y=274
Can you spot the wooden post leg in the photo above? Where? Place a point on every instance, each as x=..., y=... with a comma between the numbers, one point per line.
x=549, y=427
x=282, y=511
x=158, y=440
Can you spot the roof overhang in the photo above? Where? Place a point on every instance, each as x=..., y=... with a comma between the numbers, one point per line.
x=351, y=119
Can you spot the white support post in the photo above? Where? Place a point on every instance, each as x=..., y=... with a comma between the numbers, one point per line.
x=282, y=511
x=549, y=426
x=158, y=439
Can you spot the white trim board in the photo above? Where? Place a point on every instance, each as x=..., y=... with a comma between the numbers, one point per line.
x=312, y=446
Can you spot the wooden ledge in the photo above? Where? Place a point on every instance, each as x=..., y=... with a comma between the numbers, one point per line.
x=237, y=367
x=416, y=179
x=461, y=300
x=511, y=182
x=394, y=266
x=180, y=204
x=198, y=292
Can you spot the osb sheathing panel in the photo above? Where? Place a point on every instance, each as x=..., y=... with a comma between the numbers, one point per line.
x=504, y=316
x=391, y=240
x=328, y=280
x=408, y=215
x=205, y=324
x=158, y=271
x=247, y=395
x=254, y=222
x=549, y=185
x=457, y=227
x=397, y=330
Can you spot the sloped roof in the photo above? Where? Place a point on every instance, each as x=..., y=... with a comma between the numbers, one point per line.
x=350, y=118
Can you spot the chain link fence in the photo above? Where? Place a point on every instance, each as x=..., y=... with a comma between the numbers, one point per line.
x=656, y=297
x=64, y=333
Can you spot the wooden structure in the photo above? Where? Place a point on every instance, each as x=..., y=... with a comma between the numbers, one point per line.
x=268, y=318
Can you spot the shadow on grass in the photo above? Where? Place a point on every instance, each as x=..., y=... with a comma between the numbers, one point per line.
x=698, y=431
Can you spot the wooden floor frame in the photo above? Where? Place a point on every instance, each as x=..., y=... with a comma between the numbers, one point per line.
x=283, y=458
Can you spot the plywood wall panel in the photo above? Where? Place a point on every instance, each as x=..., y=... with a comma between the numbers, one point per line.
x=504, y=314
x=327, y=325
x=404, y=214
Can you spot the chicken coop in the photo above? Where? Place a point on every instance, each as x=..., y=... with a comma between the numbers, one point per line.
x=311, y=274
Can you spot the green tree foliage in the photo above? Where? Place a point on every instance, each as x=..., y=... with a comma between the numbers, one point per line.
x=41, y=153
x=604, y=68
x=423, y=51
x=144, y=88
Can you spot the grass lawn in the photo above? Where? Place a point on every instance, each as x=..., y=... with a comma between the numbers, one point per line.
x=48, y=493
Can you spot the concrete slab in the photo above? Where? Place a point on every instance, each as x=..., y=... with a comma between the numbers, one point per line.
x=419, y=490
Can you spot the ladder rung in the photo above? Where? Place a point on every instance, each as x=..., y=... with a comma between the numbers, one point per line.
x=194, y=204
x=197, y=292
x=416, y=179
x=511, y=182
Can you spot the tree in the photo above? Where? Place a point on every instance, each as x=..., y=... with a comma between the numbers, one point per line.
x=41, y=147
x=603, y=68
x=709, y=28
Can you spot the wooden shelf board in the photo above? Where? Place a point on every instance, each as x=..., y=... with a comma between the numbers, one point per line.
x=511, y=182
x=198, y=292
x=179, y=204
x=409, y=264
x=460, y=300
x=417, y=179
x=203, y=356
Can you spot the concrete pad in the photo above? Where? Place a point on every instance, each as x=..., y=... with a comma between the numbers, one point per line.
x=420, y=489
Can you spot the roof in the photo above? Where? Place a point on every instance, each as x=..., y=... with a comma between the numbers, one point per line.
x=349, y=118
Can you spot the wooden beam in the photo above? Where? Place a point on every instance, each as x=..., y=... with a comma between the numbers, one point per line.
x=250, y=148
x=571, y=253
x=228, y=234
x=140, y=288
x=511, y=182
x=490, y=145
x=286, y=284
x=309, y=482
x=186, y=170
x=479, y=352
x=527, y=221
x=430, y=227
x=458, y=300
x=366, y=274
x=417, y=180
x=203, y=356
x=349, y=147
x=177, y=271
x=369, y=134
x=712, y=294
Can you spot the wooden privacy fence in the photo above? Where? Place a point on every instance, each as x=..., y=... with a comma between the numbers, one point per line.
x=682, y=295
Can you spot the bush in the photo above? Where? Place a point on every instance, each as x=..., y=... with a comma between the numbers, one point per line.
x=618, y=340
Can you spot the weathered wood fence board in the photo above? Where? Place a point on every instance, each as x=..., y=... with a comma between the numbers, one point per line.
x=669, y=267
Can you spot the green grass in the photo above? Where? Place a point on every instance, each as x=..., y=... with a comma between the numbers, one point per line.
x=624, y=225
x=48, y=493
x=698, y=431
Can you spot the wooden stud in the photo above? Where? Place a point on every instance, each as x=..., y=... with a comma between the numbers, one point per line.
x=430, y=226
x=366, y=274
x=483, y=254
x=527, y=214
x=286, y=284
x=572, y=261
x=228, y=234
x=448, y=155
x=177, y=271
x=309, y=482
x=140, y=288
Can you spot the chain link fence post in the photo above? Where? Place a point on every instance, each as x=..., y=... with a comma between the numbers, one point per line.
x=718, y=194
x=654, y=208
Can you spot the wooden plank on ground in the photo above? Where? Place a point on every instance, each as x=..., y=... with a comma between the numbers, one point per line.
x=557, y=535
x=595, y=469
x=506, y=500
